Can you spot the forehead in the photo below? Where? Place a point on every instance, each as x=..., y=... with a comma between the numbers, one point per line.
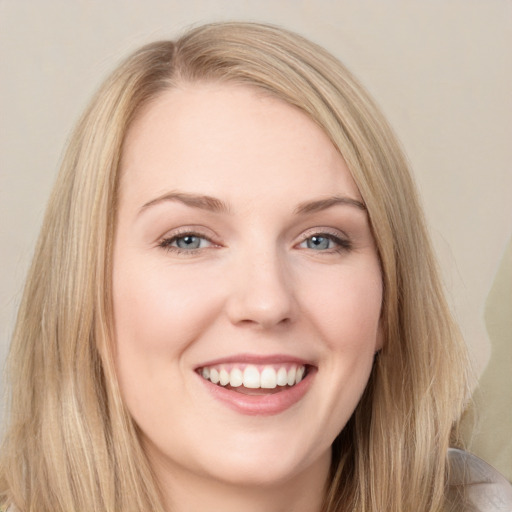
x=229, y=139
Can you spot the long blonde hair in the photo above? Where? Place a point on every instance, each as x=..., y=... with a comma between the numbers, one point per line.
x=71, y=445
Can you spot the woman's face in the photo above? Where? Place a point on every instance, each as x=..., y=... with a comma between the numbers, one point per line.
x=242, y=253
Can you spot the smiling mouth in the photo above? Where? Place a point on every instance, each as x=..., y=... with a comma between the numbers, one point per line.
x=250, y=379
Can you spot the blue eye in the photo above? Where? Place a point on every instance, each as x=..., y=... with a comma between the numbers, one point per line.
x=187, y=242
x=324, y=242
x=319, y=243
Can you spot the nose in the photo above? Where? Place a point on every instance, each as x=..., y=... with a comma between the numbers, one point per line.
x=262, y=292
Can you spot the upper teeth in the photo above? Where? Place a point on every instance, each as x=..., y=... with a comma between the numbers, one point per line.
x=251, y=376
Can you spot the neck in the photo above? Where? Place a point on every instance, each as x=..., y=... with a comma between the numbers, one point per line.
x=186, y=492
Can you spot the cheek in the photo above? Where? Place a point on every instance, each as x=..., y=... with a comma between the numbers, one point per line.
x=158, y=313
x=346, y=307
x=343, y=306
x=160, y=310
x=150, y=299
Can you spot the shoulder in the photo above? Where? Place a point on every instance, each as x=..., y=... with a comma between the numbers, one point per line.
x=476, y=485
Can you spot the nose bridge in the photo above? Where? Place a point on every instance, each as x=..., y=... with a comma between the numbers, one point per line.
x=262, y=292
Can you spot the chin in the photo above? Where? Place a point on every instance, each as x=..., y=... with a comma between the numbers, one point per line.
x=258, y=473
x=266, y=464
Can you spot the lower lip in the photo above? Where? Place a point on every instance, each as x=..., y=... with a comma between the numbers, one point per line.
x=261, y=405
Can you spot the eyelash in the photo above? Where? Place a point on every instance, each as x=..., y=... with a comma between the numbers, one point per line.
x=342, y=244
x=166, y=243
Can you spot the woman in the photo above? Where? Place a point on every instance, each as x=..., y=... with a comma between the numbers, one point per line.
x=233, y=302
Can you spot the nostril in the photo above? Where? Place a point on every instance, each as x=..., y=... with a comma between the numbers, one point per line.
x=264, y=322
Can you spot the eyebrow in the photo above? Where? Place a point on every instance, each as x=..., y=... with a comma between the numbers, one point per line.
x=328, y=202
x=215, y=205
x=203, y=202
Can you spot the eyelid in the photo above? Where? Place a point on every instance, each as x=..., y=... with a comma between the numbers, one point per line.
x=333, y=232
x=165, y=241
x=339, y=237
x=195, y=230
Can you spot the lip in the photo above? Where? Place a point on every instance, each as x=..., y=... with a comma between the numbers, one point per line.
x=257, y=359
x=260, y=405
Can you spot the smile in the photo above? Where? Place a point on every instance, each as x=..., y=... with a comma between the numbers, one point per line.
x=256, y=385
x=251, y=376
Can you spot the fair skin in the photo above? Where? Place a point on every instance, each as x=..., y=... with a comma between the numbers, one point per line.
x=242, y=244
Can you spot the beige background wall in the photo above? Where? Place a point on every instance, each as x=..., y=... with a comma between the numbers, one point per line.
x=441, y=70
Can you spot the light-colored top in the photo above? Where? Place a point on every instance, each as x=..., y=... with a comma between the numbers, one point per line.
x=475, y=486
